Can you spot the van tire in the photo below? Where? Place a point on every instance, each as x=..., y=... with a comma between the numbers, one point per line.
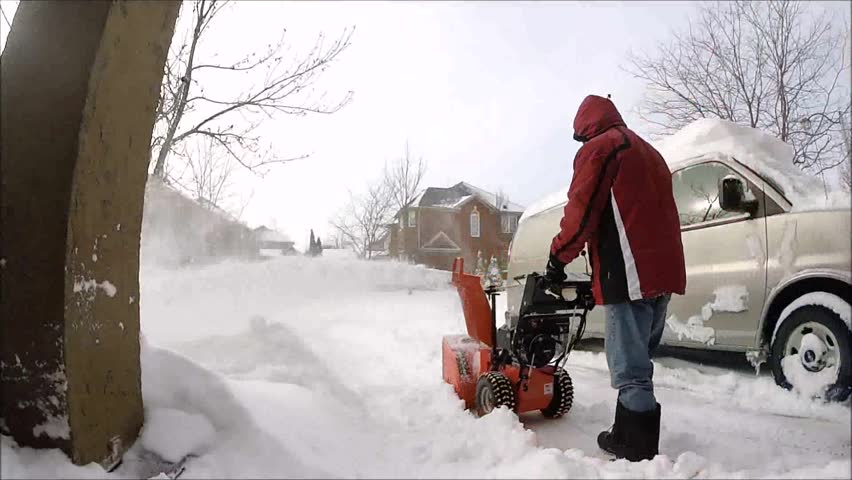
x=797, y=324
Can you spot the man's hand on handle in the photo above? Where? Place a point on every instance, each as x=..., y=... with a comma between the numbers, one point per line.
x=555, y=271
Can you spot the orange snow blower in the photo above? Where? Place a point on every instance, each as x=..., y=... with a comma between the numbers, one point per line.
x=521, y=365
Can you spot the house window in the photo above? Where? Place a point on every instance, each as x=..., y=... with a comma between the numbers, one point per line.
x=509, y=223
x=474, y=224
x=412, y=219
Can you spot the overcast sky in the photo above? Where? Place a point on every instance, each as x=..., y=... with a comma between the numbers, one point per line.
x=485, y=92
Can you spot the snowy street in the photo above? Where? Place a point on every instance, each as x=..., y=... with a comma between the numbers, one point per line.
x=331, y=367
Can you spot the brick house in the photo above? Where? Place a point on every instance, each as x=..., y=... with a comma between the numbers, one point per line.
x=441, y=224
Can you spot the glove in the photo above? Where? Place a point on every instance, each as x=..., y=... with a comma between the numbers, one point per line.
x=555, y=271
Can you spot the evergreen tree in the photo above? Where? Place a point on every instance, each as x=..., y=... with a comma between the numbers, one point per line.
x=493, y=277
x=319, y=246
x=312, y=247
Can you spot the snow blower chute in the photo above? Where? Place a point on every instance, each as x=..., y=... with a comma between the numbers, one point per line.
x=521, y=365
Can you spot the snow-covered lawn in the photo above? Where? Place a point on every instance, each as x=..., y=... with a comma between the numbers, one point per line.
x=331, y=367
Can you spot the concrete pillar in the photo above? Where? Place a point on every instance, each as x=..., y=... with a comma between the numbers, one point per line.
x=80, y=83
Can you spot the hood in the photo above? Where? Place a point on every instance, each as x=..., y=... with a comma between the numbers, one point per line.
x=595, y=115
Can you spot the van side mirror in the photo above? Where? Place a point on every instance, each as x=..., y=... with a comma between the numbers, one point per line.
x=733, y=196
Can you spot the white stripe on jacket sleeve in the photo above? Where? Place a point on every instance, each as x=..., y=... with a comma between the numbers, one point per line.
x=633, y=287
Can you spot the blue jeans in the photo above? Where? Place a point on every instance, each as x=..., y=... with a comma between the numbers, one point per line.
x=633, y=331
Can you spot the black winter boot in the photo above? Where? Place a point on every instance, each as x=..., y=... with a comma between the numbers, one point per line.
x=634, y=435
x=612, y=440
x=642, y=437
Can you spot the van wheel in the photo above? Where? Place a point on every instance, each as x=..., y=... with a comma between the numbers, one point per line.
x=812, y=354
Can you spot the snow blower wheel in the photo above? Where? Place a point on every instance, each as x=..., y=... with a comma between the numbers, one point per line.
x=494, y=390
x=563, y=395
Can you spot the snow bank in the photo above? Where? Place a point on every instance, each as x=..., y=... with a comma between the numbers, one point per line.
x=21, y=462
x=209, y=422
x=173, y=434
x=759, y=150
x=332, y=368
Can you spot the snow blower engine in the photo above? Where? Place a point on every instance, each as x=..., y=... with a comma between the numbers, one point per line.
x=521, y=365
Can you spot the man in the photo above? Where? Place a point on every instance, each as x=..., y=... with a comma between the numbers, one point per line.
x=621, y=204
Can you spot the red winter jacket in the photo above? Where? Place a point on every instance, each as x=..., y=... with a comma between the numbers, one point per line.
x=621, y=204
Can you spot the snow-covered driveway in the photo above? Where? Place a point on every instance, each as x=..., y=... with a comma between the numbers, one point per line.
x=331, y=367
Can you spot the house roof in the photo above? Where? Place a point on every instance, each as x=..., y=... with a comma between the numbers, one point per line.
x=266, y=234
x=459, y=194
x=441, y=241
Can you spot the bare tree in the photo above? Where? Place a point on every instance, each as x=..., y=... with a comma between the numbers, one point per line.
x=339, y=240
x=363, y=220
x=12, y=6
x=501, y=199
x=846, y=166
x=403, y=177
x=770, y=65
x=711, y=198
x=211, y=172
x=208, y=177
x=186, y=109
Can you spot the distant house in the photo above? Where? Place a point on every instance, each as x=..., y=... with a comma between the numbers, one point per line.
x=460, y=221
x=177, y=229
x=273, y=243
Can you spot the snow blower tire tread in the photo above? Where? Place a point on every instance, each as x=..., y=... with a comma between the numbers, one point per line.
x=563, y=395
x=500, y=387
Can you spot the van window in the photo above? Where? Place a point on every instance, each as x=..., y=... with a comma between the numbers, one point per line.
x=696, y=192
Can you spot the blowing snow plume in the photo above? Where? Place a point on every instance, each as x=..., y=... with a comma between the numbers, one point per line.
x=177, y=230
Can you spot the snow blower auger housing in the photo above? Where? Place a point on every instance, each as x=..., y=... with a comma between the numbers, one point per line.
x=520, y=366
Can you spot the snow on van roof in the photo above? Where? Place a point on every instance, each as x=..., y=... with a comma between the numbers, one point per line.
x=754, y=148
x=759, y=150
x=552, y=200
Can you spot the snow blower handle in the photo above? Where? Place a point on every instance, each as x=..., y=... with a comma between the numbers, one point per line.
x=583, y=290
x=581, y=284
x=554, y=289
